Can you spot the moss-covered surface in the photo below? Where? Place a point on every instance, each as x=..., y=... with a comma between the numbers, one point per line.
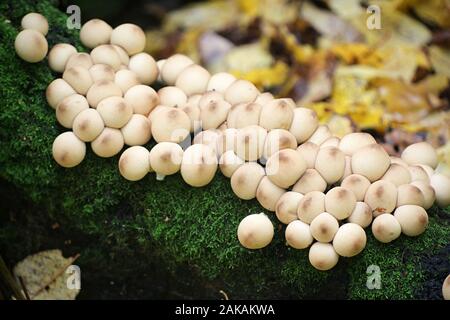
x=148, y=238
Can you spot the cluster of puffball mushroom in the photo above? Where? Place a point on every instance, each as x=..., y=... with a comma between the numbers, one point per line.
x=326, y=189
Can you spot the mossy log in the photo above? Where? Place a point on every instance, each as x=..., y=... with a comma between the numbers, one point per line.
x=136, y=232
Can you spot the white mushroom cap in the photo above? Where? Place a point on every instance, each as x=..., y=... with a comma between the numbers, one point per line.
x=199, y=165
x=420, y=153
x=130, y=37
x=285, y=167
x=310, y=206
x=31, y=45
x=170, y=125
x=278, y=139
x=399, y=161
x=322, y=256
x=81, y=59
x=358, y=184
x=229, y=162
x=309, y=151
x=69, y=108
x=245, y=180
x=441, y=186
x=220, y=82
x=304, y=124
x=143, y=99
x=381, y=197
x=255, y=231
x=115, y=111
x=250, y=142
x=101, y=71
x=397, y=174
x=244, y=114
x=268, y=194
x=277, y=114
x=286, y=207
x=192, y=80
x=361, y=215
x=352, y=142
x=172, y=97
x=59, y=55
x=88, y=124
x=427, y=191
x=324, y=227
x=125, y=79
x=413, y=219
x=371, y=161
x=134, y=164
x=95, y=32
x=241, y=91
x=340, y=202
x=108, y=143
x=418, y=173
x=213, y=110
x=137, y=131
x=68, y=151
x=331, y=142
x=101, y=90
x=78, y=78
x=386, y=228
x=298, y=235
x=35, y=21
x=311, y=180
x=209, y=138
x=193, y=112
x=226, y=140
x=330, y=163
x=409, y=194
x=106, y=54
x=123, y=55
x=145, y=67
x=165, y=158
x=264, y=98
x=173, y=67
x=446, y=288
x=321, y=134
x=56, y=91
x=349, y=240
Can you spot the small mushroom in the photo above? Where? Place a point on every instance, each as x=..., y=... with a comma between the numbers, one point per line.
x=229, y=162
x=165, y=158
x=340, y=202
x=245, y=180
x=361, y=215
x=78, y=78
x=101, y=72
x=172, y=97
x=193, y=80
x=226, y=140
x=106, y=54
x=311, y=180
x=298, y=235
x=418, y=173
x=95, y=32
x=353, y=142
x=324, y=227
x=57, y=91
x=381, y=197
x=321, y=134
x=143, y=99
x=304, y=124
x=88, y=124
x=220, y=82
x=101, y=90
x=285, y=167
x=397, y=174
x=322, y=256
x=276, y=140
x=255, y=231
x=358, y=184
x=309, y=151
x=130, y=37
x=170, y=125
x=386, y=228
x=31, y=45
x=213, y=110
x=268, y=194
x=125, y=79
x=137, y=131
x=35, y=21
x=310, y=206
x=115, y=111
x=209, y=138
x=428, y=193
x=199, y=165
x=250, y=142
x=330, y=163
x=413, y=219
x=286, y=207
x=446, y=288
x=108, y=143
x=441, y=186
x=68, y=151
x=134, y=164
x=241, y=91
x=59, y=55
x=243, y=115
x=371, y=161
x=80, y=59
x=69, y=108
x=349, y=240
x=173, y=67
x=264, y=98
x=330, y=142
x=420, y=153
x=144, y=66
x=408, y=194
x=277, y=114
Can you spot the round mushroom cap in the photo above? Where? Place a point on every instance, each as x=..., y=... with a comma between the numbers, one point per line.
x=381, y=197
x=277, y=114
x=209, y=138
x=322, y=256
x=428, y=193
x=244, y=114
x=137, y=131
x=349, y=240
x=106, y=54
x=144, y=66
x=286, y=207
x=80, y=59
x=220, y=82
x=310, y=206
x=134, y=164
x=409, y=194
x=143, y=99
x=35, y=21
x=213, y=112
x=115, y=112
x=304, y=124
x=255, y=231
x=245, y=180
x=298, y=235
x=241, y=91
x=264, y=98
x=193, y=80
x=340, y=202
x=166, y=157
x=229, y=162
x=357, y=184
x=386, y=228
x=31, y=45
x=441, y=186
x=353, y=142
x=108, y=143
x=324, y=227
x=57, y=91
x=361, y=215
x=68, y=151
x=130, y=37
x=268, y=194
x=311, y=180
x=331, y=142
x=69, y=108
x=101, y=72
x=126, y=79
x=446, y=288
x=413, y=219
x=199, y=165
x=88, y=124
x=330, y=163
x=309, y=151
x=59, y=55
x=397, y=174
x=78, y=78
x=101, y=90
x=250, y=142
x=321, y=134
x=371, y=161
x=285, y=167
x=172, y=97
x=420, y=153
x=173, y=67
x=278, y=139
x=170, y=125
x=418, y=173
x=95, y=32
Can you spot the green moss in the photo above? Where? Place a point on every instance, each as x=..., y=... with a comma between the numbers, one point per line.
x=149, y=224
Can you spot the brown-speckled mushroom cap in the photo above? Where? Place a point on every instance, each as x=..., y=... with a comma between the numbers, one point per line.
x=165, y=158
x=31, y=46
x=310, y=206
x=78, y=78
x=413, y=219
x=59, y=55
x=349, y=240
x=298, y=235
x=340, y=202
x=108, y=143
x=322, y=256
x=193, y=80
x=309, y=151
x=286, y=207
x=199, y=165
x=173, y=66
x=130, y=37
x=278, y=139
x=88, y=124
x=250, y=142
x=371, y=161
x=255, y=231
x=68, y=151
x=170, y=125
x=285, y=167
x=69, y=108
x=330, y=163
x=220, y=82
x=420, y=153
x=115, y=111
x=101, y=90
x=352, y=142
x=358, y=184
x=137, y=131
x=311, y=180
x=144, y=66
x=385, y=228
x=241, y=91
x=324, y=227
x=381, y=197
x=56, y=91
x=229, y=162
x=277, y=114
x=245, y=180
x=268, y=194
x=143, y=99
x=361, y=215
x=95, y=32
x=134, y=164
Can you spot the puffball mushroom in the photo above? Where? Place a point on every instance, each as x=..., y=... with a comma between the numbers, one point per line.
x=420, y=153
x=340, y=202
x=115, y=111
x=255, y=231
x=68, y=151
x=311, y=180
x=304, y=124
x=125, y=79
x=381, y=197
x=371, y=161
x=101, y=71
x=134, y=164
x=277, y=114
x=427, y=191
x=35, y=21
x=108, y=143
x=407, y=194
x=144, y=66
x=250, y=142
x=413, y=219
x=352, y=142
x=241, y=91
x=101, y=90
x=278, y=139
x=59, y=55
x=298, y=235
x=137, y=131
x=69, y=108
x=172, y=96
x=361, y=215
x=106, y=54
x=321, y=134
x=226, y=140
x=441, y=186
x=286, y=207
x=268, y=194
x=349, y=240
x=418, y=173
x=220, y=82
x=56, y=91
x=78, y=78
x=173, y=67
x=357, y=184
x=310, y=206
x=193, y=80
x=165, y=158
x=264, y=98
x=330, y=163
x=386, y=228
x=243, y=115
x=31, y=45
x=143, y=99
x=229, y=162
x=330, y=142
x=324, y=227
x=213, y=111
x=199, y=165
x=285, y=167
x=245, y=180
x=95, y=32
x=446, y=288
x=308, y=151
x=88, y=124
x=322, y=256
x=130, y=37
x=80, y=59
x=397, y=174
